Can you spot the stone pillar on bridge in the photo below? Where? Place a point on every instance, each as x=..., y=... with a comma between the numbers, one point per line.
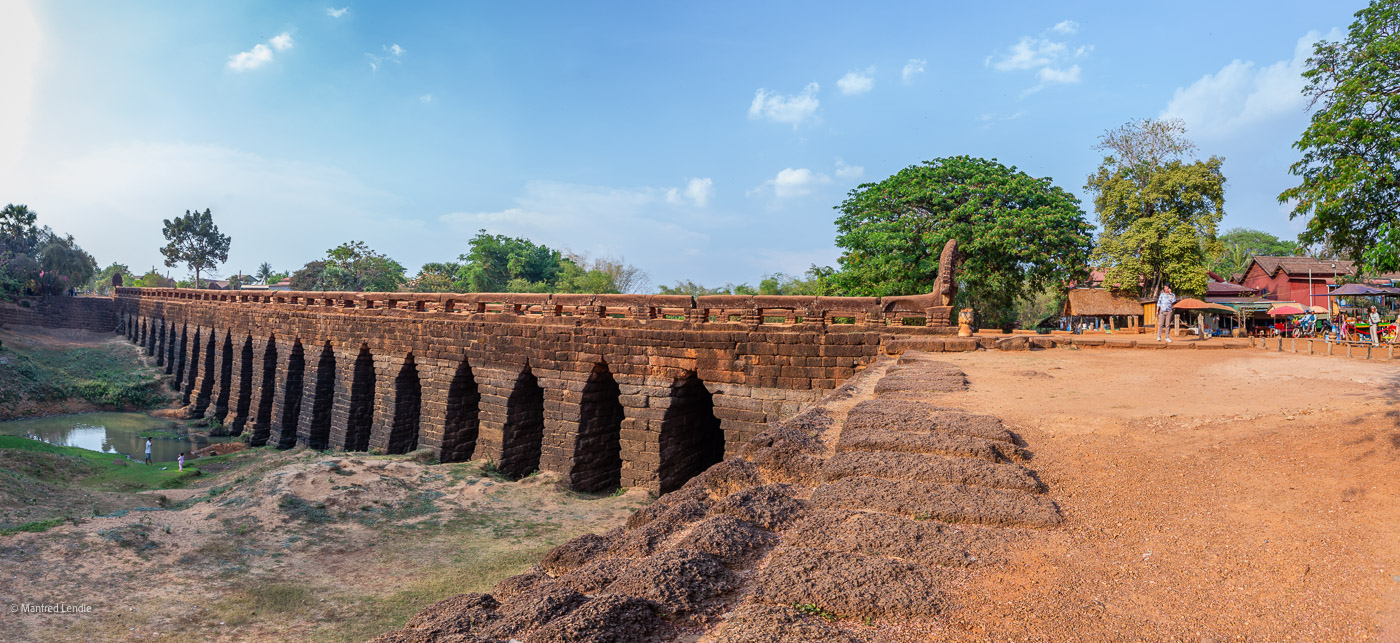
x=151, y=334
x=352, y=413
x=141, y=332
x=161, y=334
x=263, y=383
x=202, y=388
x=645, y=400
x=240, y=389
x=193, y=363
x=287, y=393
x=435, y=376
x=397, y=391
x=224, y=356
x=318, y=396
x=178, y=353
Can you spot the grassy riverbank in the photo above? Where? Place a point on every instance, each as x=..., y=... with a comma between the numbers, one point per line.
x=44, y=371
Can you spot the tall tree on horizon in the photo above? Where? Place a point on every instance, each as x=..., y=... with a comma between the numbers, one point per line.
x=195, y=241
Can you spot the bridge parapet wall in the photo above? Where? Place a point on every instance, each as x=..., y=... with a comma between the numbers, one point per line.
x=631, y=390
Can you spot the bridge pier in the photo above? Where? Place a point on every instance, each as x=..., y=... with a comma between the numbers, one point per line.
x=240, y=384
x=287, y=394
x=318, y=396
x=264, y=383
x=461, y=409
x=352, y=415
x=202, y=385
x=191, y=360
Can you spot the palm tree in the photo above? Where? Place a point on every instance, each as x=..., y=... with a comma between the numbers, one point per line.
x=264, y=272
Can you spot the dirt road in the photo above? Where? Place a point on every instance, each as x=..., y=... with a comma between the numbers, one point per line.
x=1207, y=495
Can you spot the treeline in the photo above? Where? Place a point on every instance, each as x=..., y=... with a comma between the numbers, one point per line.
x=36, y=260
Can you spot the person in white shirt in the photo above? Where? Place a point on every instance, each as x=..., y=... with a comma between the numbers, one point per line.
x=1375, y=319
x=1164, y=313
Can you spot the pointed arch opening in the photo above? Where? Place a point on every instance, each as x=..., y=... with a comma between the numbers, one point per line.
x=523, y=434
x=361, y=417
x=318, y=434
x=408, y=398
x=191, y=367
x=691, y=437
x=597, y=464
x=291, y=406
x=172, y=340
x=180, y=355
x=160, y=344
x=463, y=416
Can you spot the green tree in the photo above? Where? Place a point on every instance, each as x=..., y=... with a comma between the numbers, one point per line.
x=1016, y=233
x=1349, y=183
x=436, y=277
x=264, y=273
x=17, y=228
x=195, y=241
x=310, y=276
x=1384, y=255
x=354, y=266
x=497, y=263
x=63, y=265
x=1158, y=214
x=1239, y=245
x=102, y=282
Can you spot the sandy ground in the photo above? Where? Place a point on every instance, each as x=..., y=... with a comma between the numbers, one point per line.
x=1233, y=495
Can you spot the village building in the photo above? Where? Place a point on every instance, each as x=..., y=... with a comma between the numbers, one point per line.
x=1304, y=280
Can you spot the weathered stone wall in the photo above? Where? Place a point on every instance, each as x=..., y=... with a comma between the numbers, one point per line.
x=86, y=313
x=606, y=389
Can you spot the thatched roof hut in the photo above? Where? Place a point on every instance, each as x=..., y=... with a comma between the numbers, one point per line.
x=1100, y=302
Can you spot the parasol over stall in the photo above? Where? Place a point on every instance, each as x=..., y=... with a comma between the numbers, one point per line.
x=1285, y=310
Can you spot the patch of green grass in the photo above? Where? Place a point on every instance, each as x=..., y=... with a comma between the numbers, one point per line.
x=815, y=610
x=109, y=375
x=33, y=527
x=104, y=471
x=304, y=510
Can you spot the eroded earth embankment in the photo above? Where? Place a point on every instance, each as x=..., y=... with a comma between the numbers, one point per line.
x=841, y=524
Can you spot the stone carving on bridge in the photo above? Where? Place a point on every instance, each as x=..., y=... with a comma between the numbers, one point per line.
x=947, y=286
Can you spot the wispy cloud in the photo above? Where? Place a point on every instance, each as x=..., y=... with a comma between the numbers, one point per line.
x=260, y=54
x=336, y=13
x=392, y=53
x=857, y=82
x=792, y=109
x=1054, y=61
x=913, y=68
x=425, y=98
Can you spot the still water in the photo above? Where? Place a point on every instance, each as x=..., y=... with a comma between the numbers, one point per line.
x=108, y=433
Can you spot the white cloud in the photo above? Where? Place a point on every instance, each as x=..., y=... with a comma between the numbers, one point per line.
x=1053, y=60
x=260, y=54
x=425, y=98
x=1056, y=76
x=395, y=50
x=638, y=224
x=700, y=190
x=848, y=172
x=790, y=183
x=786, y=109
x=913, y=68
x=336, y=13
x=1242, y=93
x=19, y=49
x=856, y=82
x=254, y=58
x=281, y=42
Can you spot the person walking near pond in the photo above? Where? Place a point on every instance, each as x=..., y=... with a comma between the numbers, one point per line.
x=1165, y=301
x=148, y=450
x=181, y=460
x=1375, y=319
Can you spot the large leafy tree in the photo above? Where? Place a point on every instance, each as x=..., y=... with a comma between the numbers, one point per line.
x=1158, y=214
x=350, y=266
x=1349, y=184
x=63, y=265
x=195, y=241
x=1017, y=233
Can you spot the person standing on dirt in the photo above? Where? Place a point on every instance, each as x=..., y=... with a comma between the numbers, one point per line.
x=148, y=450
x=1375, y=319
x=1165, y=301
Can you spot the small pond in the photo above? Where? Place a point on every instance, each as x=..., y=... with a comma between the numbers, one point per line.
x=108, y=433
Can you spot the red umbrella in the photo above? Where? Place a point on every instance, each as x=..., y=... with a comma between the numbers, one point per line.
x=1285, y=310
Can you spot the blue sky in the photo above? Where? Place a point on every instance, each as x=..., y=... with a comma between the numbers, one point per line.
x=704, y=141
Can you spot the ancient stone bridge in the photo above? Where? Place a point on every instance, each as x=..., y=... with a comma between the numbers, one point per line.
x=608, y=390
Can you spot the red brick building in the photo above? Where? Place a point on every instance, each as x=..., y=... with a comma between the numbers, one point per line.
x=1299, y=279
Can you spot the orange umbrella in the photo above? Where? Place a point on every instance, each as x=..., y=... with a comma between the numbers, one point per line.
x=1191, y=303
x=1284, y=310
